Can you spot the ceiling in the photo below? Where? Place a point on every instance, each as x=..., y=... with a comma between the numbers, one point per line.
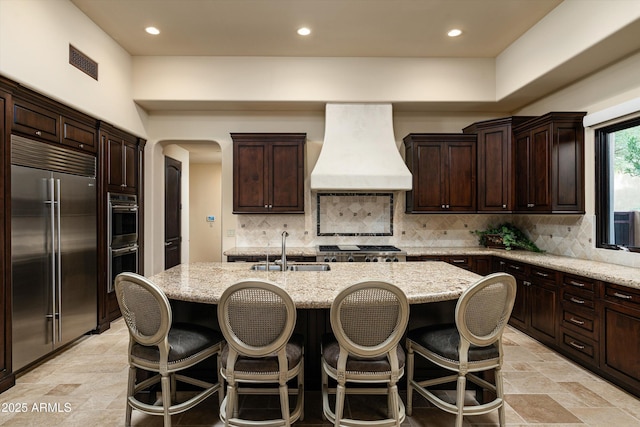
x=340, y=28
x=345, y=28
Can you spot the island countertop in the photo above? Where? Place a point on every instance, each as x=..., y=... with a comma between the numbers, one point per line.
x=204, y=282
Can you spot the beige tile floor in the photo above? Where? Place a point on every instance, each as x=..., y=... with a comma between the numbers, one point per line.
x=85, y=386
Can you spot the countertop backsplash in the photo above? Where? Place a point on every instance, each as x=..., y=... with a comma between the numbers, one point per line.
x=565, y=235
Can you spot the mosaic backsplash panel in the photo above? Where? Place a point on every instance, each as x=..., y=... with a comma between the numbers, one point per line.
x=355, y=214
x=566, y=235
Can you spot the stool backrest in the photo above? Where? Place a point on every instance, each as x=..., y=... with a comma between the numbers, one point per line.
x=144, y=307
x=483, y=310
x=369, y=318
x=256, y=317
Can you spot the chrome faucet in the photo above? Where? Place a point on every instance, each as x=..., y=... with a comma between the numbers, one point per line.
x=283, y=260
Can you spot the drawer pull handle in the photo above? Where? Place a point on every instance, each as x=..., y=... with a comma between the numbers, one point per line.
x=576, y=300
x=515, y=267
x=458, y=261
x=576, y=345
x=623, y=296
x=526, y=283
x=578, y=284
x=576, y=321
x=39, y=133
x=541, y=274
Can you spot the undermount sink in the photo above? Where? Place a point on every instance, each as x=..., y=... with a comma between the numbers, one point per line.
x=309, y=267
x=292, y=267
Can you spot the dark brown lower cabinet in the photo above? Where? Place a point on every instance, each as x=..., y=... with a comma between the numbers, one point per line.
x=620, y=337
x=479, y=264
x=536, y=307
x=579, y=319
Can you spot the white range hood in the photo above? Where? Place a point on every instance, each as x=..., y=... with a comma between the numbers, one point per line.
x=359, y=152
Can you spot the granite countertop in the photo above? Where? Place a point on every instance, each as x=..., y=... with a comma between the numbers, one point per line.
x=613, y=273
x=204, y=282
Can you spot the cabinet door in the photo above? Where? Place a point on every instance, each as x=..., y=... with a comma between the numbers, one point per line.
x=460, y=181
x=115, y=163
x=130, y=167
x=78, y=135
x=544, y=309
x=568, y=175
x=250, y=172
x=539, y=180
x=622, y=341
x=533, y=170
x=286, y=177
x=429, y=194
x=494, y=182
x=36, y=121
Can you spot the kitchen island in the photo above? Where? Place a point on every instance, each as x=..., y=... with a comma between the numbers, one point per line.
x=432, y=290
x=204, y=282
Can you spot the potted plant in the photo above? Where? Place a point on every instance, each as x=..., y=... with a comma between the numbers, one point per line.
x=505, y=236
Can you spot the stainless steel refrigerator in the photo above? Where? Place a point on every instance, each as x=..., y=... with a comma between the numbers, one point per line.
x=53, y=248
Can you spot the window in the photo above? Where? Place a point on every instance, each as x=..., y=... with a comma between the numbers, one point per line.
x=618, y=186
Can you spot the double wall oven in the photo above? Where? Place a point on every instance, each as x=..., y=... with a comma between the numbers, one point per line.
x=122, y=229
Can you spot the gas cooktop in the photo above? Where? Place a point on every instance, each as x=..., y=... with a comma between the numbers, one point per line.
x=357, y=248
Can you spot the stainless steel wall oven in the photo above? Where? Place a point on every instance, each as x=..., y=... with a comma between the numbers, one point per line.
x=122, y=220
x=122, y=235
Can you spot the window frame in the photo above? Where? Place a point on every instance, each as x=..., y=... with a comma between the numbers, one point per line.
x=604, y=175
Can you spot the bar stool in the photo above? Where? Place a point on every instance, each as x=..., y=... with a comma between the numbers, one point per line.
x=257, y=319
x=158, y=345
x=368, y=320
x=473, y=344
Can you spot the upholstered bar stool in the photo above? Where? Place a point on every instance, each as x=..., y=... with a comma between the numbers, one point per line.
x=472, y=344
x=257, y=319
x=368, y=320
x=158, y=345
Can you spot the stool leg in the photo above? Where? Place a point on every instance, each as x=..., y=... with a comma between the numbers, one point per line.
x=410, y=369
x=165, y=383
x=340, y=393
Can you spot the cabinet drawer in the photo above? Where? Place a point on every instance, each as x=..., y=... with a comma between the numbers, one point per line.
x=78, y=135
x=577, y=320
x=543, y=275
x=578, y=282
x=578, y=299
x=579, y=346
x=514, y=268
x=622, y=294
x=35, y=121
x=460, y=261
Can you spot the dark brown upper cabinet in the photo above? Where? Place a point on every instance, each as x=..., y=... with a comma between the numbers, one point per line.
x=496, y=188
x=268, y=172
x=549, y=162
x=34, y=120
x=121, y=160
x=444, y=172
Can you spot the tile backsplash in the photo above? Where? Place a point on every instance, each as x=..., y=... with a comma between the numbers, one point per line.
x=566, y=235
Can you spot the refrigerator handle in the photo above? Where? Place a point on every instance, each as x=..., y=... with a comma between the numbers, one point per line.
x=51, y=202
x=59, y=262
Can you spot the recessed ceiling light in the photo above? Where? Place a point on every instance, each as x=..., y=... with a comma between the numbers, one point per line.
x=454, y=33
x=304, y=31
x=152, y=30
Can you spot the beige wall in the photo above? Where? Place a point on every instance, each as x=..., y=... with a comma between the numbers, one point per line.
x=34, y=50
x=205, y=198
x=40, y=61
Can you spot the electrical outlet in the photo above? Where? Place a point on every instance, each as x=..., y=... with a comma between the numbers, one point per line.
x=231, y=232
